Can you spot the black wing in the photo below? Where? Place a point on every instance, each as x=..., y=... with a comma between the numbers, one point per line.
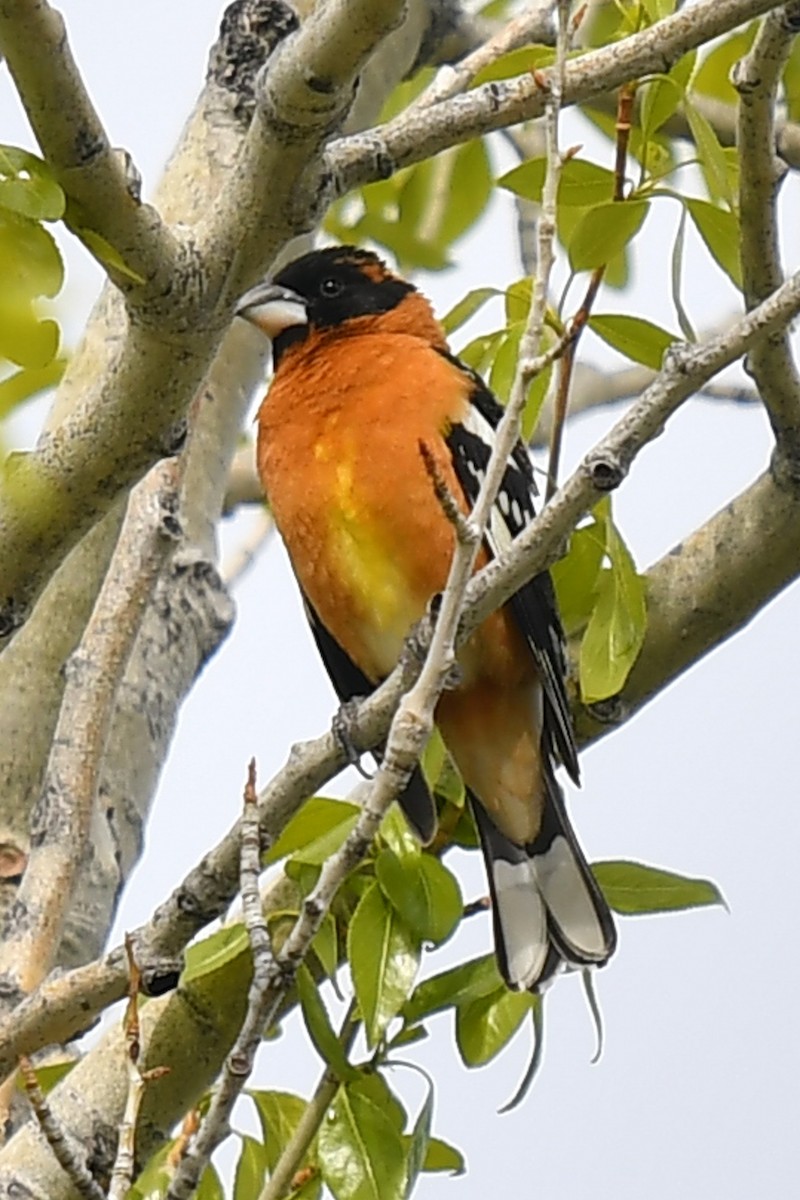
x=534, y=605
x=349, y=681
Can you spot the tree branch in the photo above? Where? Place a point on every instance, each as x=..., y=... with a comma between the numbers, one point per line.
x=757, y=78
x=305, y=95
x=415, y=135
x=62, y=821
x=96, y=177
x=533, y=24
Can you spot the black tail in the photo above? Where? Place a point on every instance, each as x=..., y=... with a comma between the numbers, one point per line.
x=546, y=904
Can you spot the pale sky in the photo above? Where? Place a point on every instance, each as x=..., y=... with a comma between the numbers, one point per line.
x=696, y=1094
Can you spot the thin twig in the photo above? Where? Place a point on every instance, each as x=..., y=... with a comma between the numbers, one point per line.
x=580, y=319
x=239, y=1063
x=529, y=361
x=71, y=1154
x=282, y=1178
x=122, y=1171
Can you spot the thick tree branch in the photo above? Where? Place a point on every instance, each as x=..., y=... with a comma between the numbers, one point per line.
x=97, y=178
x=757, y=78
x=305, y=95
x=63, y=818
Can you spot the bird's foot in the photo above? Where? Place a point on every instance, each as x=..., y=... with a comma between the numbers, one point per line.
x=342, y=727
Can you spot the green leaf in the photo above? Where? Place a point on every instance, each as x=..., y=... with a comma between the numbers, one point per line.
x=709, y=152
x=384, y=956
x=440, y=1156
x=423, y=891
x=631, y=888
x=618, y=622
x=30, y=262
x=407, y=1036
x=713, y=74
x=534, y=402
x=719, y=229
x=466, y=308
x=791, y=83
x=440, y=771
x=581, y=185
x=316, y=831
x=49, y=1075
x=467, y=178
x=326, y=945
x=250, y=1170
x=215, y=952
x=319, y=1027
x=417, y=1149
x=25, y=384
x=154, y=1180
x=518, y=300
x=636, y=338
x=28, y=186
x=575, y=576
x=504, y=367
x=396, y=833
x=210, y=1186
x=405, y=93
x=25, y=340
x=660, y=98
x=605, y=230
x=373, y=1085
x=480, y=352
x=279, y=1114
x=517, y=62
x=468, y=981
x=484, y=1026
x=105, y=253
x=657, y=10
x=361, y=1154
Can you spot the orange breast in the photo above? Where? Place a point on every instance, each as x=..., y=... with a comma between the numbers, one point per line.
x=338, y=452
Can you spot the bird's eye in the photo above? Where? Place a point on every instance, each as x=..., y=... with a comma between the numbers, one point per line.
x=330, y=287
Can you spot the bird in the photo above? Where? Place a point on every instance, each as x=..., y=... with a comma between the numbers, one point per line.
x=366, y=401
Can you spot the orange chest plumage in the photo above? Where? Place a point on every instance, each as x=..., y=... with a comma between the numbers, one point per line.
x=339, y=456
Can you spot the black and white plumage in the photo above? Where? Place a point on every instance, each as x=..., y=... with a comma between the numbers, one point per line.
x=548, y=909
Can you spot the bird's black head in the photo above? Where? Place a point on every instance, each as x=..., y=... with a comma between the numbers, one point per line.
x=322, y=290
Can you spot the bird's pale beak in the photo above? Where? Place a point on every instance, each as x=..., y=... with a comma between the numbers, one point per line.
x=272, y=308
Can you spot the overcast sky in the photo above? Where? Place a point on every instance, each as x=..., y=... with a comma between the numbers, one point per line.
x=696, y=1094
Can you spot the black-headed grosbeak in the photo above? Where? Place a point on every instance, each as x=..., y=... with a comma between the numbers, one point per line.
x=363, y=376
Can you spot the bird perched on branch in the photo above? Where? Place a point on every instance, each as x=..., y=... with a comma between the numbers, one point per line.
x=366, y=411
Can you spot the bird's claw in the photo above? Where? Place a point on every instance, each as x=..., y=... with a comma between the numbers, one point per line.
x=341, y=727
